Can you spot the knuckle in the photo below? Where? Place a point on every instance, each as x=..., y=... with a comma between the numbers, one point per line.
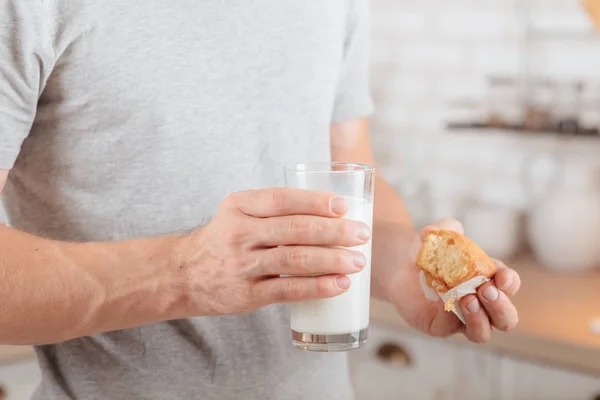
x=313, y=227
x=251, y=194
x=298, y=257
x=295, y=291
x=297, y=223
x=300, y=224
x=280, y=258
x=277, y=295
x=249, y=197
x=279, y=200
x=251, y=264
x=272, y=260
x=287, y=291
x=232, y=200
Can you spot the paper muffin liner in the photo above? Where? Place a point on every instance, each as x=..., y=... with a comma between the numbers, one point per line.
x=454, y=294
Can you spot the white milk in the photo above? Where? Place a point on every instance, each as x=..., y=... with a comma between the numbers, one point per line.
x=348, y=312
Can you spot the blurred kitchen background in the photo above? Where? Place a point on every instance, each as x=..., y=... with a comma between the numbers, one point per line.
x=488, y=111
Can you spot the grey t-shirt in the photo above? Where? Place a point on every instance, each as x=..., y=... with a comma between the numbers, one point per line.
x=124, y=119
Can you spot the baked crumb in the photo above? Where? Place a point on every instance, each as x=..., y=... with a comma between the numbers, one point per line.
x=449, y=305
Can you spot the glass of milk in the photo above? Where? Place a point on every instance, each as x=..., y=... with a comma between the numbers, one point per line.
x=339, y=323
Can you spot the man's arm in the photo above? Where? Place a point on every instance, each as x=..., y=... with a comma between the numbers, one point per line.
x=52, y=291
x=350, y=142
x=395, y=276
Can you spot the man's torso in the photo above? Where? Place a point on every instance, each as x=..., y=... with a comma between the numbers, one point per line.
x=153, y=112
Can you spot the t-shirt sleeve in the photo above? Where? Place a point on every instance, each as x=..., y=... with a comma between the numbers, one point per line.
x=25, y=58
x=353, y=97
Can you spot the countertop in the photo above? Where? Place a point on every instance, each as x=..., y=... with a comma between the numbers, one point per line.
x=555, y=315
x=555, y=312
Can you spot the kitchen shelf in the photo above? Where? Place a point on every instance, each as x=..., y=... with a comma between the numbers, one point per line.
x=591, y=36
x=534, y=142
x=462, y=127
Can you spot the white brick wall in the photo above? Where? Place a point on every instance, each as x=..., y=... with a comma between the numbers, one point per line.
x=428, y=54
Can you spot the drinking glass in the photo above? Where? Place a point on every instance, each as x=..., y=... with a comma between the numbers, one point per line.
x=339, y=323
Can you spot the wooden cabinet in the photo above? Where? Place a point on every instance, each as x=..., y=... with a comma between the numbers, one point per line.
x=431, y=372
x=18, y=381
x=414, y=367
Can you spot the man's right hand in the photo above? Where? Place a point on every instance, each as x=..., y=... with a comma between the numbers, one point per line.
x=233, y=264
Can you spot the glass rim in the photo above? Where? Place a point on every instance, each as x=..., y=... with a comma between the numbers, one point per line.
x=325, y=167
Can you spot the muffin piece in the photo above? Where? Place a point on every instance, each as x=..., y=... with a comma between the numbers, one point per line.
x=449, y=258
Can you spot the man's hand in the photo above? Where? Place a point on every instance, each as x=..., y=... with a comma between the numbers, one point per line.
x=491, y=307
x=233, y=264
x=230, y=266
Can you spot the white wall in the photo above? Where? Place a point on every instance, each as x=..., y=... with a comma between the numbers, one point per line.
x=427, y=54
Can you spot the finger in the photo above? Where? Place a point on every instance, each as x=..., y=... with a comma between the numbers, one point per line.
x=442, y=323
x=503, y=314
x=290, y=289
x=309, y=260
x=507, y=279
x=478, y=328
x=449, y=224
x=285, y=201
x=312, y=231
x=427, y=316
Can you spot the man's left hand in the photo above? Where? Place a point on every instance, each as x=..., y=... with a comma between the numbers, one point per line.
x=490, y=308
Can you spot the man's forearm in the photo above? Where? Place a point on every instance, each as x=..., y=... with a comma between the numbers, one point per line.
x=53, y=291
x=393, y=233
x=389, y=205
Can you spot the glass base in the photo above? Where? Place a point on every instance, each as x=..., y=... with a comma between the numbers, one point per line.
x=327, y=343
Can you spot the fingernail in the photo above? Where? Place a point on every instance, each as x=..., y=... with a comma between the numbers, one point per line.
x=362, y=231
x=490, y=293
x=473, y=306
x=343, y=282
x=338, y=205
x=359, y=260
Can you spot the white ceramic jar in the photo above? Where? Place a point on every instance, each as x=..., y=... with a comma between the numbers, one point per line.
x=496, y=230
x=564, y=224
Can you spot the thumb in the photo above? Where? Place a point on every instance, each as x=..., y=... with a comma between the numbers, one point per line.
x=448, y=224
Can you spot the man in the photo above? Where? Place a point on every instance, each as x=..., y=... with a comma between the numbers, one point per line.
x=142, y=144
